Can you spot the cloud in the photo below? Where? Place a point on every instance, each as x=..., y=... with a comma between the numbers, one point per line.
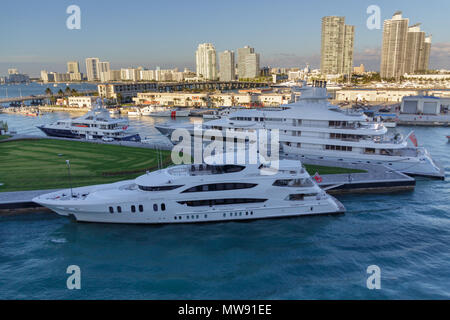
x=440, y=55
x=288, y=60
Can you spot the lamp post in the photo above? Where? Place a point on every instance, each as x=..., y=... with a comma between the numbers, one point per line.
x=70, y=179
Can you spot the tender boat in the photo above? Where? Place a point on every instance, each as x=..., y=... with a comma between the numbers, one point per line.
x=199, y=193
x=96, y=124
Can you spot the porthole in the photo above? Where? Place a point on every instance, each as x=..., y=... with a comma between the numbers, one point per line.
x=111, y=210
x=133, y=209
x=175, y=218
x=163, y=206
x=119, y=209
x=141, y=208
x=155, y=207
x=206, y=216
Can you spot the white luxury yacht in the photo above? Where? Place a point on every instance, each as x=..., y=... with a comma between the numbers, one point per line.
x=311, y=128
x=199, y=193
x=96, y=124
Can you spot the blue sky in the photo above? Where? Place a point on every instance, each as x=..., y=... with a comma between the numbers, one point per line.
x=166, y=33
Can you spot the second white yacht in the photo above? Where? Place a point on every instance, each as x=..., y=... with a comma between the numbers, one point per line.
x=314, y=129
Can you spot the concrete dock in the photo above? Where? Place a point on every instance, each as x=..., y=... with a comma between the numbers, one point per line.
x=376, y=179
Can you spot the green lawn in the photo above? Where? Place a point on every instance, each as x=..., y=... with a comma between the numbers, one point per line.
x=41, y=164
x=312, y=169
x=36, y=164
x=4, y=137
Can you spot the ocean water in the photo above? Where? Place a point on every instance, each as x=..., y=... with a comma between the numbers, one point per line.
x=33, y=88
x=407, y=235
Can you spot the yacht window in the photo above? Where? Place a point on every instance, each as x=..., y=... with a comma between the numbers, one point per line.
x=133, y=209
x=141, y=208
x=163, y=206
x=220, y=187
x=155, y=207
x=159, y=188
x=215, y=202
x=111, y=210
x=119, y=209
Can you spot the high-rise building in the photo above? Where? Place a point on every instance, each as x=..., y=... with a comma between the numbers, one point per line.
x=337, y=46
x=415, y=46
x=13, y=71
x=227, y=66
x=405, y=49
x=425, y=57
x=73, y=67
x=393, y=52
x=206, y=61
x=251, y=66
x=92, y=69
x=242, y=57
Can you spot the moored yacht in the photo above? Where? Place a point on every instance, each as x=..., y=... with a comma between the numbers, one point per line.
x=199, y=193
x=96, y=124
x=314, y=129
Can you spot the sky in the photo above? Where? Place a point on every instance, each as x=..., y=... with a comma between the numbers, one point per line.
x=152, y=33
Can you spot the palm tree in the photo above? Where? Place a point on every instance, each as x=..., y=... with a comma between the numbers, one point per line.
x=68, y=90
x=60, y=92
x=48, y=92
x=74, y=92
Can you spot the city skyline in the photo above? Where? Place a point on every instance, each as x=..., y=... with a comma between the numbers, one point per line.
x=286, y=34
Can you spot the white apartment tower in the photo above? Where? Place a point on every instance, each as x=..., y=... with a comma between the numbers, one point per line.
x=336, y=46
x=248, y=63
x=92, y=69
x=227, y=66
x=405, y=49
x=206, y=61
x=73, y=67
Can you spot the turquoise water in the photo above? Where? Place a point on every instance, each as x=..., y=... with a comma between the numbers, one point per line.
x=33, y=88
x=406, y=234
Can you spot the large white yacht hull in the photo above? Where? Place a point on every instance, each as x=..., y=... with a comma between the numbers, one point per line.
x=213, y=214
x=415, y=166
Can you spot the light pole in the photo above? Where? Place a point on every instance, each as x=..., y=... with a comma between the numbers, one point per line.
x=70, y=179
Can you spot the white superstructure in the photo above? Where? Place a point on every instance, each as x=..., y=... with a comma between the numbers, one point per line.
x=198, y=193
x=314, y=129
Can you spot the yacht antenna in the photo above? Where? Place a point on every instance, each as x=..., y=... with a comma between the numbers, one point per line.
x=70, y=178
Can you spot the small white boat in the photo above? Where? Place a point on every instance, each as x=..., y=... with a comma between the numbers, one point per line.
x=172, y=113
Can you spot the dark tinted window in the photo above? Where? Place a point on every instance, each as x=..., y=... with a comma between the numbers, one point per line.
x=218, y=202
x=133, y=208
x=159, y=188
x=141, y=208
x=220, y=187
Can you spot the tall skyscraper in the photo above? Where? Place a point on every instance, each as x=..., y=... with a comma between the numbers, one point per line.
x=73, y=67
x=227, y=66
x=337, y=46
x=92, y=69
x=252, y=66
x=206, y=61
x=415, y=46
x=248, y=63
x=425, y=57
x=404, y=48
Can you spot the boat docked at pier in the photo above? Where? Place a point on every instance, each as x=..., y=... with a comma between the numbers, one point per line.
x=95, y=124
x=196, y=193
x=312, y=128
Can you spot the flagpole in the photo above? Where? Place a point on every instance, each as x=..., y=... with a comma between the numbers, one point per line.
x=70, y=179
